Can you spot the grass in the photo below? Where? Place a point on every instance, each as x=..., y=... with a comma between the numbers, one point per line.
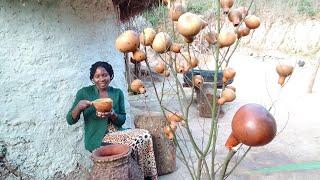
x=285, y=8
x=157, y=15
x=199, y=6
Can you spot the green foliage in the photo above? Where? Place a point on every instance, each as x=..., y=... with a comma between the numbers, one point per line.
x=199, y=6
x=307, y=7
x=156, y=15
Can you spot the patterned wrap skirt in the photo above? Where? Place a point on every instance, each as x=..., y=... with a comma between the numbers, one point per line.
x=140, y=141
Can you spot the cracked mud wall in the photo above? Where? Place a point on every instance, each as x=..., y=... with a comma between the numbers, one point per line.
x=46, y=50
x=298, y=36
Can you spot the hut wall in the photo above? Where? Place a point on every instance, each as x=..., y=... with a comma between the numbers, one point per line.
x=46, y=50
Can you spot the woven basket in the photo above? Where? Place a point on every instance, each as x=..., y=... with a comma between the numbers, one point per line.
x=114, y=162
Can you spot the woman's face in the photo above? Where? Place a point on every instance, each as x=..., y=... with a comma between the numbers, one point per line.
x=101, y=78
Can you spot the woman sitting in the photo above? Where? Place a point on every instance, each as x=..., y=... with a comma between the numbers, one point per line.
x=104, y=128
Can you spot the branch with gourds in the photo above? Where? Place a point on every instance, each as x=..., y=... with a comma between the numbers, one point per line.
x=252, y=124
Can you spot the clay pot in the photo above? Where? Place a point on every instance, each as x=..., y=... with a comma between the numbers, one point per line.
x=284, y=71
x=114, y=162
x=211, y=37
x=161, y=43
x=198, y=80
x=160, y=67
x=176, y=117
x=103, y=104
x=110, y=152
x=137, y=86
x=227, y=95
x=190, y=24
x=127, y=41
x=242, y=31
x=226, y=5
x=147, y=36
x=228, y=74
x=243, y=10
x=139, y=55
x=252, y=125
x=252, y=22
x=175, y=47
x=176, y=10
x=235, y=17
x=188, y=39
x=226, y=39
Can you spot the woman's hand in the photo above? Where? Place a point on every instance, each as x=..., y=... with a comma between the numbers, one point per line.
x=83, y=104
x=110, y=115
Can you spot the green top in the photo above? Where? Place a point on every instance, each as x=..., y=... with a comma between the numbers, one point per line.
x=94, y=127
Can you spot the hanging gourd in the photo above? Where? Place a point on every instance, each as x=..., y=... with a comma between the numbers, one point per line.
x=173, y=126
x=175, y=47
x=252, y=22
x=176, y=10
x=231, y=87
x=226, y=5
x=137, y=86
x=188, y=39
x=252, y=125
x=243, y=10
x=226, y=39
x=211, y=37
x=181, y=68
x=176, y=116
x=139, y=55
x=190, y=24
x=227, y=95
x=161, y=43
x=160, y=67
x=283, y=71
x=147, y=36
x=228, y=74
x=235, y=17
x=168, y=133
x=166, y=73
x=198, y=81
x=128, y=41
x=193, y=61
x=242, y=31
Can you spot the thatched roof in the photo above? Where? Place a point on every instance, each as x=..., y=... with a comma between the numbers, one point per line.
x=129, y=8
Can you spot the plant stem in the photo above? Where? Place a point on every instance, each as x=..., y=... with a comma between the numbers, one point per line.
x=185, y=160
x=231, y=153
x=242, y=157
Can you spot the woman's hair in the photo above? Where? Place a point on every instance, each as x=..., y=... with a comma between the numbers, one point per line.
x=105, y=65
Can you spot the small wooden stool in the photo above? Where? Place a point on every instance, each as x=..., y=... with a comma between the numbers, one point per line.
x=204, y=97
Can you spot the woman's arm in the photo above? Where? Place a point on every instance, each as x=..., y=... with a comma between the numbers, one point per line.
x=78, y=106
x=119, y=117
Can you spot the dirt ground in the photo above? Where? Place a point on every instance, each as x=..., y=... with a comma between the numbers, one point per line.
x=294, y=153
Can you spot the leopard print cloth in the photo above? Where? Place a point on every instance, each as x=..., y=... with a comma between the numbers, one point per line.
x=140, y=141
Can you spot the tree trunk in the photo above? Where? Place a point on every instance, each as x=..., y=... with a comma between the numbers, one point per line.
x=313, y=78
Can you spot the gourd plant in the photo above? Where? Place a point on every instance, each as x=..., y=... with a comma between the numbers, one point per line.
x=252, y=124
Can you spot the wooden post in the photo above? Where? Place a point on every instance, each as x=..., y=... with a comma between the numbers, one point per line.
x=164, y=149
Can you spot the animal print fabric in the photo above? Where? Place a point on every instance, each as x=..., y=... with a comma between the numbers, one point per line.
x=140, y=141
